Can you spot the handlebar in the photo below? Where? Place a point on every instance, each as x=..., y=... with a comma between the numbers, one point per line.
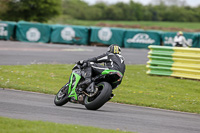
x=84, y=65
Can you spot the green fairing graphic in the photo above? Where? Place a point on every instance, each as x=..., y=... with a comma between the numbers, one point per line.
x=108, y=71
x=72, y=91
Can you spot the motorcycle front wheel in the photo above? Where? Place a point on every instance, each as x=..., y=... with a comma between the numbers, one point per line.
x=61, y=97
x=102, y=96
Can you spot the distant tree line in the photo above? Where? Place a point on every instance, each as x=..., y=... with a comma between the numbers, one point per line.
x=29, y=10
x=43, y=10
x=130, y=11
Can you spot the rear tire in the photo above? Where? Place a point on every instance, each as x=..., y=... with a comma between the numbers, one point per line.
x=61, y=97
x=103, y=95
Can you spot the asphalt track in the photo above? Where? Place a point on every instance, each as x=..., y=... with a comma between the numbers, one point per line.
x=36, y=106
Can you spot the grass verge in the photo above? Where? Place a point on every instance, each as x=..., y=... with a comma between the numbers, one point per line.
x=137, y=88
x=8, y=125
x=142, y=24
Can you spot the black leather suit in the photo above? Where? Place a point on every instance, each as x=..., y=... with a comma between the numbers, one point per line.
x=110, y=60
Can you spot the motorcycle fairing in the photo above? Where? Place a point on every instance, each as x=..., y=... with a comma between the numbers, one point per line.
x=105, y=72
x=74, y=79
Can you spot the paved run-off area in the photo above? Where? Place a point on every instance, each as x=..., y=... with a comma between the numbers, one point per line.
x=22, y=53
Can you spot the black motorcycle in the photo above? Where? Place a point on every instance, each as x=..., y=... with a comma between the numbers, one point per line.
x=92, y=96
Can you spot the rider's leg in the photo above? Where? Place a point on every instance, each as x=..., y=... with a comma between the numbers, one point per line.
x=87, y=74
x=92, y=69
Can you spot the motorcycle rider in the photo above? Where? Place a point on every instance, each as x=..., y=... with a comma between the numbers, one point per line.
x=180, y=41
x=112, y=60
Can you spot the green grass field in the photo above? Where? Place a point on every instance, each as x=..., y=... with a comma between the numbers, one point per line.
x=137, y=88
x=182, y=25
x=8, y=125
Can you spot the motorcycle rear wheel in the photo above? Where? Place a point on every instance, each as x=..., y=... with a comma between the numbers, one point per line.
x=61, y=97
x=103, y=95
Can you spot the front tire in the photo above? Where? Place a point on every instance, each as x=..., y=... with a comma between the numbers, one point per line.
x=61, y=97
x=103, y=95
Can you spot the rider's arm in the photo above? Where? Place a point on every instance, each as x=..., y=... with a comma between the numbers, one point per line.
x=185, y=42
x=175, y=40
x=99, y=59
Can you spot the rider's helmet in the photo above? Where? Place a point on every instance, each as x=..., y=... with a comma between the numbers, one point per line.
x=114, y=49
x=180, y=33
